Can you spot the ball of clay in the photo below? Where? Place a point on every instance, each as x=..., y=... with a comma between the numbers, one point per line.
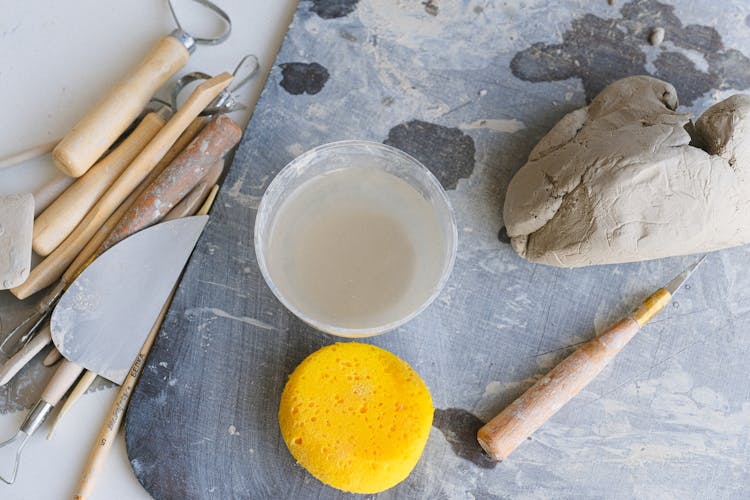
x=356, y=417
x=623, y=180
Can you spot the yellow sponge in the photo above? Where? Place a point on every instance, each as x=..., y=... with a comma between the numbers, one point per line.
x=356, y=417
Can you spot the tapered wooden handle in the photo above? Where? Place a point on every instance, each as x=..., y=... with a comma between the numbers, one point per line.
x=99, y=129
x=51, y=268
x=501, y=435
x=198, y=195
x=92, y=248
x=63, y=379
x=49, y=192
x=209, y=146
x=14, y=364
x=63, y=215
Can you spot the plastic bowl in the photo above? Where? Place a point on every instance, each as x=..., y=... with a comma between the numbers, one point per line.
x=337, y=156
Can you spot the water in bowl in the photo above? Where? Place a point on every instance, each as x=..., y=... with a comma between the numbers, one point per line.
x=356, y=247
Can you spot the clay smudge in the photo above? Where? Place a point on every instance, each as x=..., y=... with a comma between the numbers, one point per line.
x=431, y=7
x=447, y=152
x=303, y=78
x=332, y=9
x=460, y=430
x=600, y=51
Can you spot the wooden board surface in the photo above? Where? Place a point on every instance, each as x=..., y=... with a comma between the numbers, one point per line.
x=467, y=88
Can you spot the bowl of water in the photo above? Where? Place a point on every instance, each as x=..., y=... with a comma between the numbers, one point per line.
x=355, y=238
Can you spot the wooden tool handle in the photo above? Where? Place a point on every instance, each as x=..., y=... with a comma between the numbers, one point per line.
x=110, y=427
x=63, y=379
x=91, y=248
x=101, y=126
x=14, y=364
x=501, y=435
x=63, y=215
x=49, y=192
x=14, y=159
x=198, y=195
x=51, y=268
x=209, y=146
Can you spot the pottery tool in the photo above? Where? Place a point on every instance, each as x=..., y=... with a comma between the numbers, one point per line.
x=149, y=205
x=56, y=223
x=49, y=191
x=104, y=318
x=51, y=268
x=501, y=435
x=111, y=425
x=26, y=329
x=16, y=222
x=98, y=129
x=185, y=208
x=199, y=160
x=52, y=357
x=14, y=159
x=9, y=369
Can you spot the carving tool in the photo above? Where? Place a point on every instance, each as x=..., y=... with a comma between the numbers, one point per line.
x=26, y=329
x=111, y=425
x=185, y=208
x=14, y=159
x=149, y=205
x=225, y=102
x=199, y=160
x=95, y=231
x=95, y=324
x=98, y=129
x=501, y=435
x=51, y=268
x=49, y=191
x=56, y=223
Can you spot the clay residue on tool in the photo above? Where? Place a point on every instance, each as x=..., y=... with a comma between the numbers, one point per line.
x=620, y=42
x=332, y=9
x=460, y=430
x=447, y=152
x=16, y=223
x=303, y=78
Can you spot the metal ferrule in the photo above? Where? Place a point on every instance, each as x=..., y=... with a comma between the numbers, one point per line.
x=185, y=39
x=36, y=418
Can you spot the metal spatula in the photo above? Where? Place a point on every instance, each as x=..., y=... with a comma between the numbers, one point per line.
x=103, y=319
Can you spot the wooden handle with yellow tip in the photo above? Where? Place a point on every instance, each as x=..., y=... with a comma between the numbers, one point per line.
x=102, y=125
x=58, y=220
x=51, y=268
x=501, y=435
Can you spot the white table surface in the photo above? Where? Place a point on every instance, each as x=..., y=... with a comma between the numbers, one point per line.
x=56, y=59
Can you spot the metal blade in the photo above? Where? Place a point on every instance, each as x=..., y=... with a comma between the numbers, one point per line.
x=681, y=278
x=105, y=316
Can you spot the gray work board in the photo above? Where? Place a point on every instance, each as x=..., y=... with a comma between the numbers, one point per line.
x=468, y=87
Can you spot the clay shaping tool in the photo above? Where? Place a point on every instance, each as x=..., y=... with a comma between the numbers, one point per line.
x=25, y=330
x=88, y=235
x=501, y=435
x=225, y=102
x=56, y=222
x=98, y=129
x=149, y=205
x=199, y=160
x=185, y=208
x=102, y=321
x=111, y=425
x=14, y=159
x=51, y=268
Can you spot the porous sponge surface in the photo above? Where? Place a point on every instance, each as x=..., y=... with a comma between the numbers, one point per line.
x=356, y=417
